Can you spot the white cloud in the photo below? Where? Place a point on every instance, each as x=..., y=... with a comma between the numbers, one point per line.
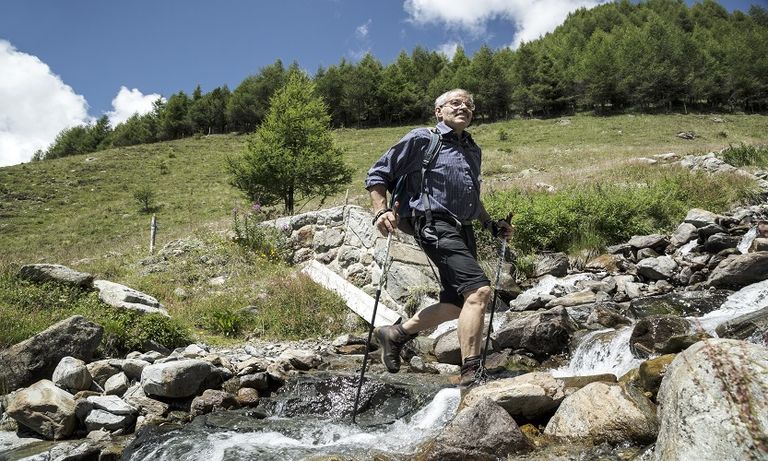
x=531, y=18
x=448, y=49
x=35, y=105
x=362, y=30
x=129, y=102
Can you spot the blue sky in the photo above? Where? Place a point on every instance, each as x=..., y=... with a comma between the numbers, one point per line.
x=63, y=63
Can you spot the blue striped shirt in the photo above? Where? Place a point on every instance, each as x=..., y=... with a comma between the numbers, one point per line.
x=452, y=181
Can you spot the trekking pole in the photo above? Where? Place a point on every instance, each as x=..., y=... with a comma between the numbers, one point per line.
x=481, y=373
x=382, y=282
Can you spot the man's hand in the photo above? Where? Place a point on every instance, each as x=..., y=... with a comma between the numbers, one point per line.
x=386, y=219
x=500, y=228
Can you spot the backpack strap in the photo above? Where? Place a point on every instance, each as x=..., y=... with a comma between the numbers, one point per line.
x=426, y=160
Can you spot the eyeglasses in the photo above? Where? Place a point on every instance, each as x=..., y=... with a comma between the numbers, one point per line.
x=457, y=103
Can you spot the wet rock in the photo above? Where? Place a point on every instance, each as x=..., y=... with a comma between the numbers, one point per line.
x=45, y=409
x=745, y=326
x=37, y=357
x=605, y=412
x=247, y=397
x=681, y=303
x=661, y=334
x=540, y=333
x=713, y=401
x=483, y=431
x=41, y=273
x=585, y=296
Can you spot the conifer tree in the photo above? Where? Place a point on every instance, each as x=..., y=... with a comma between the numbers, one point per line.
x=292, y=156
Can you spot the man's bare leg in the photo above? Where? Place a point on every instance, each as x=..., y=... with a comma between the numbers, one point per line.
x=471, y=321
x=430, y=317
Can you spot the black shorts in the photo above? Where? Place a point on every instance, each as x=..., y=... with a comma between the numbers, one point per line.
x=454, y=253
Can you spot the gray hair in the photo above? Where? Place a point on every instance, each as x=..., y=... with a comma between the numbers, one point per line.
x=443, y=98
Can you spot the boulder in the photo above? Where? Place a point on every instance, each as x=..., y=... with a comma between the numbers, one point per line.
x=447, y=349
x=682, y=303
x=713, y=403
x=740, y=270
x=684, y=233
x=540, y=333
x=102, y=370
x=751, y=325
x=117, y=384
x=661, y=334
x=72, y=374
x=98, y=420
x=721, y=241
x=212, y=400
x=301, y=359
x=652, y=371
x=555, y=264
x=123, y=297
x=44, y=409
x=182, y=378
x=701, y=218
x=585, y=296
x=660, y=268
x=605, y=412
x=655, y=242
x=530, y=395
x=42, y=273
x=483, y=431
x=37, y=357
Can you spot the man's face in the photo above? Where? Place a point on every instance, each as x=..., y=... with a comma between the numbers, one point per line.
x=457, y=112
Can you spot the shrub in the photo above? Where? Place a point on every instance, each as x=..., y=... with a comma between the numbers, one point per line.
x=745, y=155
x=145, y=196
x=580, y=217
x=266, y=241
x=503, y=134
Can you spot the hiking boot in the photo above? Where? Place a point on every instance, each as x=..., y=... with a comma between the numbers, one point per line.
x=391, y=339
x=469, y=372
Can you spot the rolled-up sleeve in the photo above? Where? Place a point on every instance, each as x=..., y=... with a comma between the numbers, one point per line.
x=397, y=161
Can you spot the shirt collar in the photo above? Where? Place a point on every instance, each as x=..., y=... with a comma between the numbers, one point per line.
x=447, y=132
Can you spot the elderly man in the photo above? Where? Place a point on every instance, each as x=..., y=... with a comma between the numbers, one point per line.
x=452, y=183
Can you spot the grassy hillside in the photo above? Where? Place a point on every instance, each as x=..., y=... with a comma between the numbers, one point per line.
x=80, y=207
x=80, y=211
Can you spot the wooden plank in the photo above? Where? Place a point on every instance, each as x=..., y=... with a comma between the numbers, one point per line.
x=357, y=300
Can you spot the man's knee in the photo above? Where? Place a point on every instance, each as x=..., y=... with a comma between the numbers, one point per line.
x=481, y=294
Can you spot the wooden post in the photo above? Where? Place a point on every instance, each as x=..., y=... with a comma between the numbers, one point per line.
x=346, y=198
x=152, y=234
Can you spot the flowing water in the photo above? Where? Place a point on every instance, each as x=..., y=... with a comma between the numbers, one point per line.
x=301, y=429
x=311, y=417
x=607, y=351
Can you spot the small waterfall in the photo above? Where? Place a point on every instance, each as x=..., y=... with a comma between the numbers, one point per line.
x=601, y=351
x=748, y=299
x=746, y=240
x=298, y=438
